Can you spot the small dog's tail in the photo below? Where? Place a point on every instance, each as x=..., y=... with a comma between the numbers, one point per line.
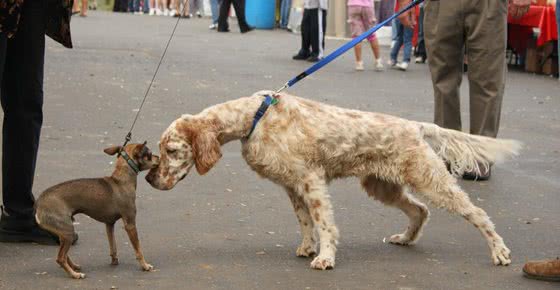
x=465, y=152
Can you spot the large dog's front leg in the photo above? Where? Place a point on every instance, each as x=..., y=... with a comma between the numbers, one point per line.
x=308, y=245
x=313, y=190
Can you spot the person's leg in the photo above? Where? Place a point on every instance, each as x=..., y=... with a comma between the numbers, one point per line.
x=3, y=47
x=22, y=102
x=558, y=28
x=83, y=12
x=407, y=39
x=215, y=7
x=444, y=44
x=486, y=52
x=305, y=36
x=397, y=42
x=239, y=6
x=356, y=28
x=322, y=31
x=285, y=13
x=223, y=25
x=421, y=50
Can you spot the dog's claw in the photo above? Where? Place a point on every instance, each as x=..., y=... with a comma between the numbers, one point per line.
x=78, y=275
x=322, y=263
x=306, y=251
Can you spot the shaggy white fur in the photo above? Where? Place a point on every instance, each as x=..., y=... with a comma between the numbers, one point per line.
x=302, y=145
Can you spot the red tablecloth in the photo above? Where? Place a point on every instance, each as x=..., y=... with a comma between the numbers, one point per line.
x=543, y=17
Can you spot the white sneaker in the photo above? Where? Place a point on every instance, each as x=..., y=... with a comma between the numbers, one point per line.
x=166, y=12
x=213, y=26
x=152, y=12
x=159, y=12
x=403, y=66
x=379, y=65
x=198, y=14
x=172, y=12
x=359, y=65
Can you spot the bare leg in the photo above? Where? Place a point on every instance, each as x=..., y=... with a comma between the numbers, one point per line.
x=428, y=175
x=112, y=243
x=130, y=227
x=84, y=8
x=308, y=245
x=314, y=192
x=375, y=48
x=394, y=195
x=358, y=52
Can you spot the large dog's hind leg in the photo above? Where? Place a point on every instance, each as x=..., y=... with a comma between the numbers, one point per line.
x=394, y=195
x=427, y=174
x=313, y=190
x=308, y=245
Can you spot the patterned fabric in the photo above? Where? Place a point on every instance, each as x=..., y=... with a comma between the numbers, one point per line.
x=9, y=16
x=58, y=19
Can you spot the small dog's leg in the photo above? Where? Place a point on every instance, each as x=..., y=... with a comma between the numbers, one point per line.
x=130, y=227
x=308, y=245
x=314, y=193
x=394, y=195
x=74, y=266
x=428, y=175
x=62, y=258
x=110, y=228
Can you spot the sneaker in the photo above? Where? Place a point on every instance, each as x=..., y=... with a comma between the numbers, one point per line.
x=152, y=12
x=420, y=59
x=198, y=14
x=248, y=29
x=402, y=66
x=392, y=63
x=173, y=12
x=14, y=229
x=300, y=56
x=159, y=12
x=359, y=65
x=379, y=65
x=166, y=12
x=213, y=26
x=543, y=270
x=313, y=58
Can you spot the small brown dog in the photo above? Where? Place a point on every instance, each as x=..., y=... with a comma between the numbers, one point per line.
x=104, y=199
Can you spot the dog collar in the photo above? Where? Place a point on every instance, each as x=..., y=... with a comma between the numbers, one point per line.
x=268, y=101
x=129, y=161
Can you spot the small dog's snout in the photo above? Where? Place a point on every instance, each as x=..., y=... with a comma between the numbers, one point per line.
x=150, y=177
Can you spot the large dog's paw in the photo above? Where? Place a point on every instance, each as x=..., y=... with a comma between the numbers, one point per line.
x=306, y=250
x=501, y=255
x=147, y=267
x=322, y=263
x=400, y=239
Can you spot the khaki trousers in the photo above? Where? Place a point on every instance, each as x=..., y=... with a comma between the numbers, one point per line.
x=479, y=26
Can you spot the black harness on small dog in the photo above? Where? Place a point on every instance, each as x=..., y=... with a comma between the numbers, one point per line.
x=135, y=167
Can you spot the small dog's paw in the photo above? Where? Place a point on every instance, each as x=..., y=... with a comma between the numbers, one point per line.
x=147, y=267
x=322, y=263
x=78, y=275
x=400, y=239
x=306, y=251
x=501, y=255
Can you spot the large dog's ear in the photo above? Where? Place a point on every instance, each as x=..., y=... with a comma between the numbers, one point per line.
x=112, y=150
x=206, y=151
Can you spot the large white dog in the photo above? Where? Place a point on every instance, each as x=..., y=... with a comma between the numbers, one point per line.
x=302, y=145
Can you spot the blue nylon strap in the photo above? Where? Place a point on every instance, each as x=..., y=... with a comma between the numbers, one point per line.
x=260, y=112
x=349, y=45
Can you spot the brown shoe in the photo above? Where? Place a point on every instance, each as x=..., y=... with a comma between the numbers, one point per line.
x=484, y=174
x=543, y=270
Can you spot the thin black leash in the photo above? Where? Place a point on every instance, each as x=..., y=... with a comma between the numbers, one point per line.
x=129, y=135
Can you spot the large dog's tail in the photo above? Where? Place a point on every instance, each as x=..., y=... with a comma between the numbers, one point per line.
x=465, y=152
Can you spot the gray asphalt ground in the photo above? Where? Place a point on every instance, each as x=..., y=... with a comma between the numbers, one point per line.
x=232, y=230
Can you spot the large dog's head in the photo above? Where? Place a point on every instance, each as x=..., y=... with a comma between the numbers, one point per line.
x=186, y=142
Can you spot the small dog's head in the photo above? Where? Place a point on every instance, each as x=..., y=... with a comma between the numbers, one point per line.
x=139, y=153
x=187, y=141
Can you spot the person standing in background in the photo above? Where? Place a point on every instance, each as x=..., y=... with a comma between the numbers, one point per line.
x=285, y=6
x=239, y=6
x=361, y=16
x=313, y=26
x=215, y=7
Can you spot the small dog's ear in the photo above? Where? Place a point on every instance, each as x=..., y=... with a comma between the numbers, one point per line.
x=112, y=150
x=206, y=151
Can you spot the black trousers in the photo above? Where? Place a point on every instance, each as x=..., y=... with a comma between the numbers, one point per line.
x=21, y=74
x=239, y=6
x=313, y=26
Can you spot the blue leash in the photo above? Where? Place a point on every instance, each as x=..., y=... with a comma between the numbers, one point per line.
x=326, y=60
